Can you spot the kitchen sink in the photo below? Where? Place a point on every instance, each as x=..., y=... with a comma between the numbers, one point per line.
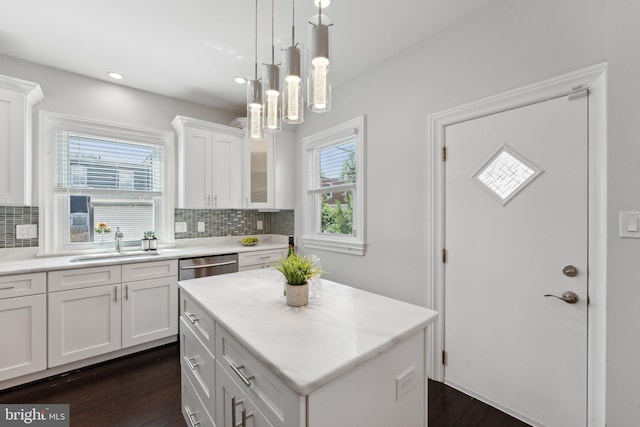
x=105, y=256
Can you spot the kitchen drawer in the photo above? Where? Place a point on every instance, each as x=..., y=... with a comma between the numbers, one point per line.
x=233, y=402
x=62, y=280
x=193, y=409
x=200, y=322
x=19, y=285
x=260, y=257
x=149, y=270
x=269, y=393
x=199, y=366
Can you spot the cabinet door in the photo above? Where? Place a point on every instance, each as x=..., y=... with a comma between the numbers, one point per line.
x=195, y=191
x=23, y=335
x=226, y=167
x=16, y=100
x=149, y=310
x=231, y=403
x=193, y=409
x=83, y=323
x=258, y=176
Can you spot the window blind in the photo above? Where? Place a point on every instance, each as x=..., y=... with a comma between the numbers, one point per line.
x=88, y=165
x=333, y=168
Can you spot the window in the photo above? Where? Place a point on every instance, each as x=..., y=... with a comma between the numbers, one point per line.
x=334, y=200
x=98, y=173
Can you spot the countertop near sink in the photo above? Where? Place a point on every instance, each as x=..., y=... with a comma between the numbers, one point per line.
x=198, y=247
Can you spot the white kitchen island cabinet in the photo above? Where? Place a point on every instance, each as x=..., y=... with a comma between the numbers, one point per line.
x=349, y=358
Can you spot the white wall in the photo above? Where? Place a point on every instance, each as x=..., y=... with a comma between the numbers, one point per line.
x=76, y=95
x=510, y=44
x=623, y=267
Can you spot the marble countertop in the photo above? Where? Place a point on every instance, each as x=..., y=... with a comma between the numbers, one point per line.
x=31, y=263
x=307, y=347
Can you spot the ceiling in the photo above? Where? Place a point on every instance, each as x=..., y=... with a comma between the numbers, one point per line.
x=193, y=49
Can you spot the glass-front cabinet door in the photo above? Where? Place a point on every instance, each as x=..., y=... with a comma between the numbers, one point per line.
x=259, y=172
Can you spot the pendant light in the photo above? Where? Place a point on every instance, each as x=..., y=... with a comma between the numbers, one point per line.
x=254, y=96
x=292, y=102
x=319, y=85
x=272, y=110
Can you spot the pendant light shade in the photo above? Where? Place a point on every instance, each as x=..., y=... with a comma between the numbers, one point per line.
x=254, y=109
x=254, y=95
x=292, y=102
x=272, y=111
x=319, y=83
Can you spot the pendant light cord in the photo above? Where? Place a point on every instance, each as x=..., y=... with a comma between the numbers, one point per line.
x=273, y=54
x=293, y=23
x=256, y=46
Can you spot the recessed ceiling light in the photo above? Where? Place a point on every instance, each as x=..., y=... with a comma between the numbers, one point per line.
x=115, y=75
x=325, y=3
x=240, y=80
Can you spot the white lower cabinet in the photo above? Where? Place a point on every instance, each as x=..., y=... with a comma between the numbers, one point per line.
x=90, y=319
x=23, y=335
x=149, y=310
x=84, y=323
x=255, y=260
x=193, y=409
x=235, y=409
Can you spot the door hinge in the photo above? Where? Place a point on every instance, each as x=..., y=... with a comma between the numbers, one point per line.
x=444, y=154
x=444, y=357
x=444, y=255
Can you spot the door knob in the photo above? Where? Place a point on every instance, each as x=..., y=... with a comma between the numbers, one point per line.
x=569, y=297
x=570, y=271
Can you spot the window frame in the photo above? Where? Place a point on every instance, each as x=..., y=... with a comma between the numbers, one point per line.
x=311, y=201
x=54, y=208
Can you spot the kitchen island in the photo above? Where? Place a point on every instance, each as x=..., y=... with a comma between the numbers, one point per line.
x=349, y=358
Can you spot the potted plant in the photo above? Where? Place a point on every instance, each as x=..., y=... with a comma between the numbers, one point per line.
x=297, y=271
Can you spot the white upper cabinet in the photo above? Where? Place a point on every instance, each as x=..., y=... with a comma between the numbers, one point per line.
x=269, y=169
x=17, y=98
x=209, y=164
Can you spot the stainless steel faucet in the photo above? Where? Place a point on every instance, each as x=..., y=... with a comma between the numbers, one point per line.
x=119, y=237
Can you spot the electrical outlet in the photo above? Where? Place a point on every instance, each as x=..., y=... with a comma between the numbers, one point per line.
x=181, y=227
x=259, y=225
x=200, y=227
x=405, y=382
x=27, y=231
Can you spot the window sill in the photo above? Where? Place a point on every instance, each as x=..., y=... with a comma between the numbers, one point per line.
x=350, y=247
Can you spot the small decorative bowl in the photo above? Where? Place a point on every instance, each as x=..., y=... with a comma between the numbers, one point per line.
x=250, y=241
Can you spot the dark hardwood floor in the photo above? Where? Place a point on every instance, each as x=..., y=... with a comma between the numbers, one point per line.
x=144, y=390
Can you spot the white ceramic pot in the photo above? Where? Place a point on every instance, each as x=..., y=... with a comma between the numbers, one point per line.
x=297, y=295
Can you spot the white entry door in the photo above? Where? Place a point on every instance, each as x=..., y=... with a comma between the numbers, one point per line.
x=516, y=230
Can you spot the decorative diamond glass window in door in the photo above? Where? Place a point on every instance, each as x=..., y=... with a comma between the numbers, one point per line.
x=506, y=173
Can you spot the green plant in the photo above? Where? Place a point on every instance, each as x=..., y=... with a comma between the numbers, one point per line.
x=297, y=269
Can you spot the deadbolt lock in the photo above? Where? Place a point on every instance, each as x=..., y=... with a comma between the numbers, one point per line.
x=570, y=271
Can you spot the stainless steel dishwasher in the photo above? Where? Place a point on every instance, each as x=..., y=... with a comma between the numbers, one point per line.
x=191, y=268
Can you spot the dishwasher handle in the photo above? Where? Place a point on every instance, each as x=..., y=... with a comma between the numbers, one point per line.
x=215, y=264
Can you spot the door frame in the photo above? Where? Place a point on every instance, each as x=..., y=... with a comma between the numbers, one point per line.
x=592, y=79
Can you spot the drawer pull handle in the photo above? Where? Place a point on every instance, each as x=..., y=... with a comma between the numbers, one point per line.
x=192, y=317
x=116, y=293
x=191, y=416
x=4, y=288
x=191, y=362
x=238, y=370
x=215, y=264
x=265, y=257
x=245, y=417
x=235, y=403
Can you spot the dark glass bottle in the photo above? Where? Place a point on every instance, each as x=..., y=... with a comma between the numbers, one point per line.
x=291, y=246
